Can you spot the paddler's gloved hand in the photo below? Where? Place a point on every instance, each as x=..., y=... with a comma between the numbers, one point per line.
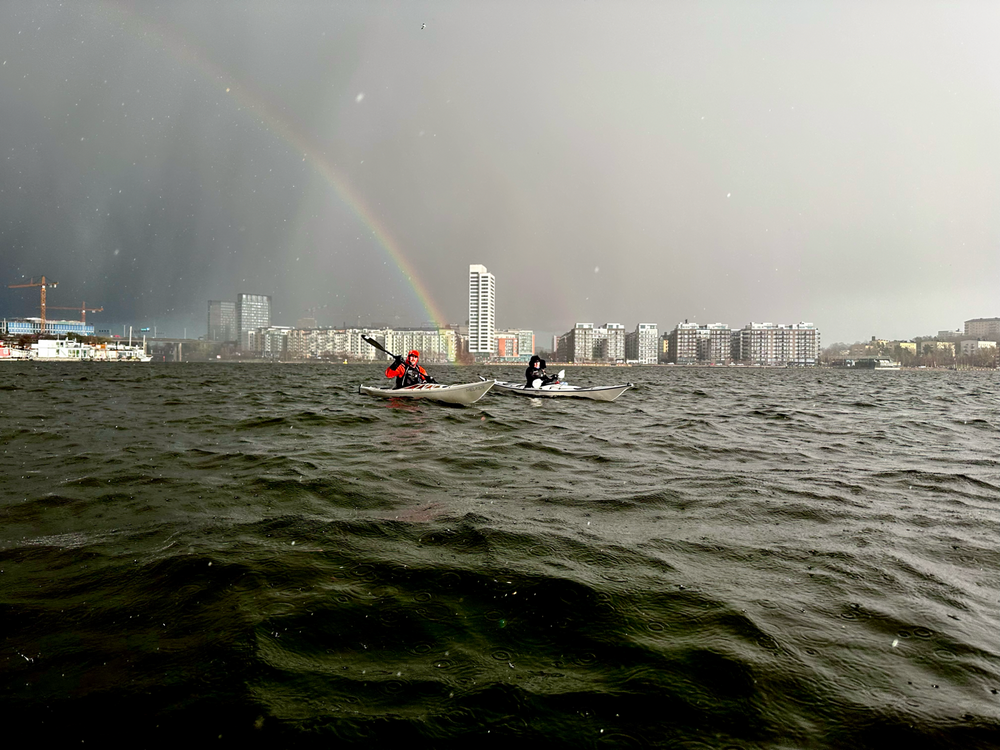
x=430, y=379
x=397, y=362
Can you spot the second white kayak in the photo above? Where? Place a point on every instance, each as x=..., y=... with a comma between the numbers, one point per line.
x=564, y=390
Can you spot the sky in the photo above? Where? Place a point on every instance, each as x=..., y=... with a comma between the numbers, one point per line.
x=719, y=162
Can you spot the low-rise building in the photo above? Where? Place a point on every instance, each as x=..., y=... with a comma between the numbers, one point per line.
x=972, y=346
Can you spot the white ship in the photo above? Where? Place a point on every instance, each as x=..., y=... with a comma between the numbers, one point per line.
x=63, y=350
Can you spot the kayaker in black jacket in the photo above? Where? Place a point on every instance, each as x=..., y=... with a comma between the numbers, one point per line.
x=536, y=371
x=409, y=372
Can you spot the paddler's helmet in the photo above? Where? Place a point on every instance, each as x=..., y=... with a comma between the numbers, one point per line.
x=535, y=359
x=413, y=355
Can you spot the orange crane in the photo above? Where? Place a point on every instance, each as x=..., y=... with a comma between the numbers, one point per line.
x=44, y=285
x=82, y=308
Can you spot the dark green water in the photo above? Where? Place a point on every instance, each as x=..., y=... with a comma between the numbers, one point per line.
x=719, y=558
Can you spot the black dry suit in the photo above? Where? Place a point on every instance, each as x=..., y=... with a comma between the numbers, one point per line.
x=535, y=371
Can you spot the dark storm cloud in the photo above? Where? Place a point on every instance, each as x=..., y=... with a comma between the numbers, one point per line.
x=617, y=162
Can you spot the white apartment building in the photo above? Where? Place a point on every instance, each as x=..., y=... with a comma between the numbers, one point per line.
x=776, y=345
x=482, y=311
x=642, y=344
x=589, y=343
x=691, y=343
x=434, y=345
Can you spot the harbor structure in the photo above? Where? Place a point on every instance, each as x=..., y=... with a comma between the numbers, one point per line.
x=482, y=311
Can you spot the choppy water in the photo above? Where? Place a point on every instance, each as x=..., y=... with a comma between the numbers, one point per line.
x=720, y=558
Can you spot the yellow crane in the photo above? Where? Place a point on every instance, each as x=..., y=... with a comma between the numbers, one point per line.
x=44, y=284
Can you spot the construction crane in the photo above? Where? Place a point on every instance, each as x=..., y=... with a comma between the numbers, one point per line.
x=44, y=284
x=82, y=308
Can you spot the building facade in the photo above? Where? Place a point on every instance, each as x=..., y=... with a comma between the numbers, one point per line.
x=577, y=344
x=514, y=344
x=776, y=345
x=434, y=345
x=253, y=311
x=482, y=311
x=33, y=326
x=970, y=347
x=586, y=342
x=709, y=344
x=609, y=343
x=983, y=328
x=222, y=321
x=642, y=344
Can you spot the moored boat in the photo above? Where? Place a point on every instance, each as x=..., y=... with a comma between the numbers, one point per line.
x=461, y=394
x=565, y=390
x=64, y=350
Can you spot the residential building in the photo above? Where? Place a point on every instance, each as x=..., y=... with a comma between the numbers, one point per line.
x=514, y=345
x=983, y=328
x=434, y=344
x=777, y=345
x=641, y=344
x=609, y=343
x=589, y=343
x=525, y=344
x=691, y=343
x=577, y=344
x=482, y=311
x=222, y=321
x=970, y=347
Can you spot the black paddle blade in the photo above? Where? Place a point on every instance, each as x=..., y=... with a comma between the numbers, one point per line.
x=377, y=345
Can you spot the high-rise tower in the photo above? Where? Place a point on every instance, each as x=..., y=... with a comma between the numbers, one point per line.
x=253, y=311
x=482, y=310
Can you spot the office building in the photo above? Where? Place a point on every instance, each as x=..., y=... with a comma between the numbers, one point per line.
x=33, y=327
x=482, y=311
x=222, y=321
x=253, y=311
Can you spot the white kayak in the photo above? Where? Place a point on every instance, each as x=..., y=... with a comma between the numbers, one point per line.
x=462, y=393
x=565, y=390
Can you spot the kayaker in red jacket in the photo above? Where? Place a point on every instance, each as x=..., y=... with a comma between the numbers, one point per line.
x=409, y=372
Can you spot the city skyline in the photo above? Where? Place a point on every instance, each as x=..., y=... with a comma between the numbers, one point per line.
x=723, y=162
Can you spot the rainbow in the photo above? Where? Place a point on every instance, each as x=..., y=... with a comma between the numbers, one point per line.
x=280, y=126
